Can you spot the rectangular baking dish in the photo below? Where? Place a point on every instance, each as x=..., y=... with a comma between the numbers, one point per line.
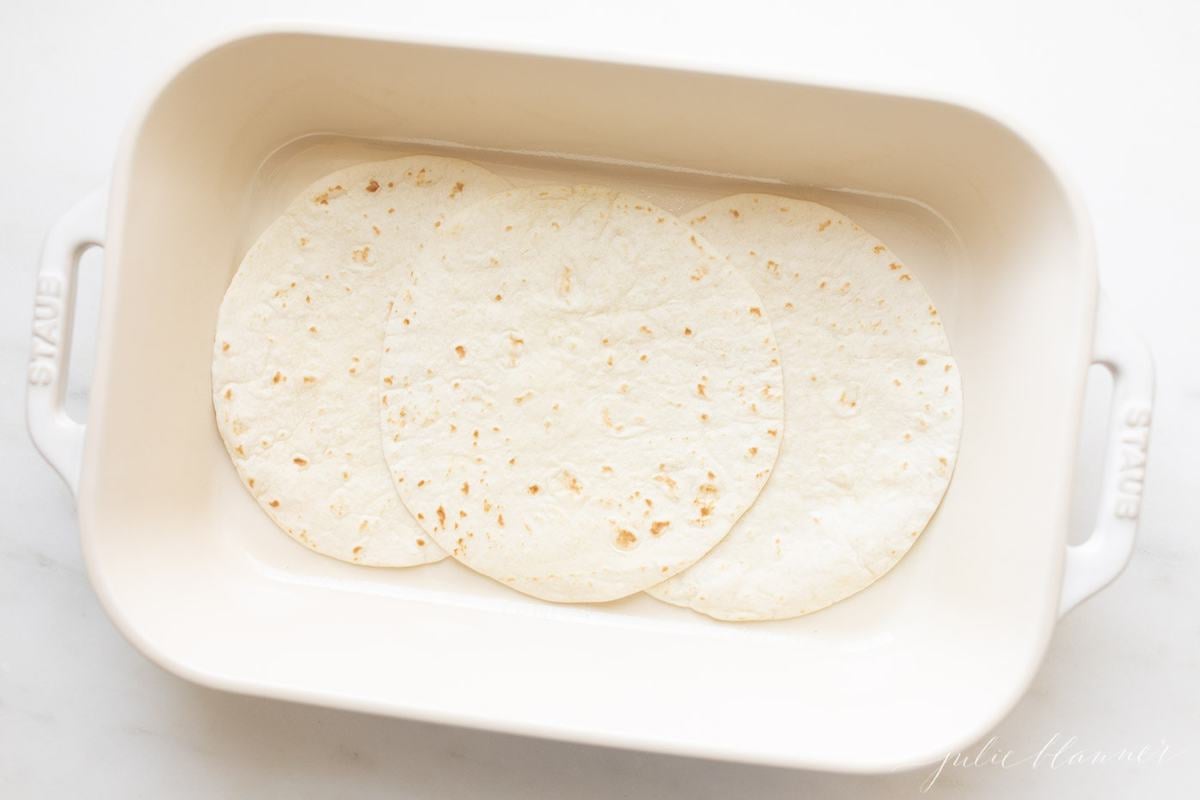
x=923, y=662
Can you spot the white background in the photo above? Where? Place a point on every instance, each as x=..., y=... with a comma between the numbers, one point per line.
x=1113, y=90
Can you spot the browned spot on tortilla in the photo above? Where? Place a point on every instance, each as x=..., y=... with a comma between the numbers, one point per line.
x=373, y=186
x=458, y=187
x=250, y=482
x=755, y=311
x=735, y=213
x=824, y=225
x=877, y=249
x=626, y=539
x=772, y=432
x=894, y=266
x=460, y=350
x=241, y=451
x=572, y=482
x=274, y=504
x=441, y=515
x=300, y=461
x=606, y=469
x=906, y=277
x=752, y=452
x=500, y=520
x=646, y=330
x=656, y=528
x=946, y=368
x=224, y=347
x=324, y=197
x=687, y=331
x=498, y=298
x=534, y=488
x=361, y=254
x=229, y=394
x=921, y=362
x=465, y=488
x=704, y=417
x=277, y=377
x=702, y=390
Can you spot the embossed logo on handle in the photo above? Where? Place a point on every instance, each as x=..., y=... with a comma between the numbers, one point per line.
x=47, y=313
x=1131, y=475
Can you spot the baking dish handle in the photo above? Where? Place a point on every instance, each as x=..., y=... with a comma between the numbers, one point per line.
x=1093, y=564
x=58, y=437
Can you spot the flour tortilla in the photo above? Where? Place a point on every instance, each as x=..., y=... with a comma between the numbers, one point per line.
x=581, y=395
x=874, y=409
x=295, y=363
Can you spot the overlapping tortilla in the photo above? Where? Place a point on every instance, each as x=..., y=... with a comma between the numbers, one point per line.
x=581, y=395
x=874, y=410
x=295, y=363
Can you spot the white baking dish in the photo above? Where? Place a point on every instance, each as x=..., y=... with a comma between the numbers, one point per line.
x=924, y=661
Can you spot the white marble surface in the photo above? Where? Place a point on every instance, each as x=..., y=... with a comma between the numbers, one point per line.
x=1114, y=92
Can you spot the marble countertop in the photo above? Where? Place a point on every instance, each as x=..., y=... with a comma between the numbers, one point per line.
x=1114, y=95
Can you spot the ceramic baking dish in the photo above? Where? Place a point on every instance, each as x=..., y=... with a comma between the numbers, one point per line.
x=925, y=661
